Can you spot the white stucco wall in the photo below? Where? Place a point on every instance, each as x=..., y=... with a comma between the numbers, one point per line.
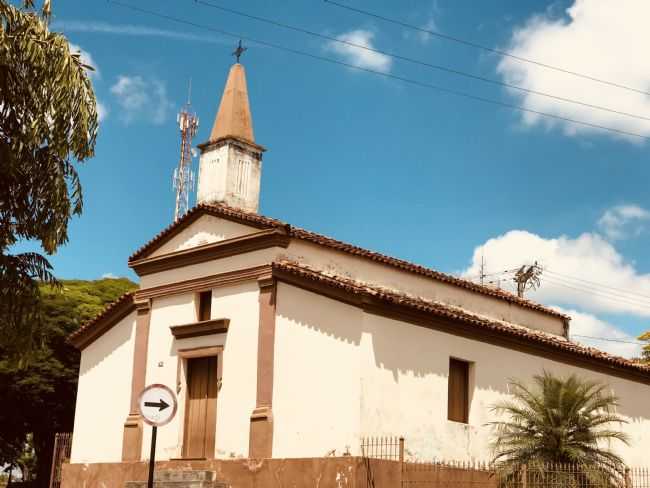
x=104, y=395
x=224, y=265
x=229, y=175
x=316, y=385
x=236, y=399
x=341, y=374
x=342, y=264
x=213, y=170
x=367, y=271
x=205, y=230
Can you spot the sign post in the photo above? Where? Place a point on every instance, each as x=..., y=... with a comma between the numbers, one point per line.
x=157, y=406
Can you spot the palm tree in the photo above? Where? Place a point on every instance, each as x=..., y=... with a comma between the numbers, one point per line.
x=559, y=421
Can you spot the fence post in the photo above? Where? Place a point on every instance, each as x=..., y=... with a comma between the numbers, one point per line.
x=401, y=461
x=524, y=476
x=628, y=478
x=54, y=460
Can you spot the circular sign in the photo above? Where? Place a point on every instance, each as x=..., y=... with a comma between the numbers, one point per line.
x=157, y=404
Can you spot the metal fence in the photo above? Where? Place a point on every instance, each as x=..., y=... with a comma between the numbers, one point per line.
x=447, y=474
x=452, y=474
x=550, y=475
x=61, y=454
x=387, y=447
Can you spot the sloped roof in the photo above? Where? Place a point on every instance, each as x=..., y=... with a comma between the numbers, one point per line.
x=485, y=324
x=371, y=295
x=108, y=317
x=261, y=222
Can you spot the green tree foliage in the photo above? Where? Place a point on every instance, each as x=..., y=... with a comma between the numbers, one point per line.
x=48, y=119
x=559, y=421
x=645, y=349
x=39, y=400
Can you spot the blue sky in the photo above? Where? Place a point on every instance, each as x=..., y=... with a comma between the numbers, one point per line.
x=397, y=168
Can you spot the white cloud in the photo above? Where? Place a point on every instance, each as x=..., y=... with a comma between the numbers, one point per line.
x=133, y=30
x=590, y=331
x=421, y=36
x=429, y=25
x=598, y=38
x=359, y=56
x=141, y=99
x=102, y=111
x=623, y=221
x=86, y=59
x=572, y=266
x=109, y=275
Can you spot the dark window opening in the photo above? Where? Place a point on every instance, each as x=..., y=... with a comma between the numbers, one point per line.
x=458, y=392
x=205, y=305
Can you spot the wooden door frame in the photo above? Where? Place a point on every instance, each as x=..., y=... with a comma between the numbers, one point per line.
x=194, y=353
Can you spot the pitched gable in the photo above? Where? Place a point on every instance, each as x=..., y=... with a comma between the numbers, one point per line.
x=197, y=228
x=207, y=229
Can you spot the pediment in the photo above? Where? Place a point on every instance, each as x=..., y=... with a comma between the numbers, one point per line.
x=201, y=226
x=207, y=229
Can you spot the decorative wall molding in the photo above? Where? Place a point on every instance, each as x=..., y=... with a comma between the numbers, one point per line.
x=132, y=440
x=205, y=283
x=276, y=237
x=261, y=421
x=198, y=329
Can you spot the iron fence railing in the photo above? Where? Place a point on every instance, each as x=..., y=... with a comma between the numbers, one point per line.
x=60, y=455
x=452, y=474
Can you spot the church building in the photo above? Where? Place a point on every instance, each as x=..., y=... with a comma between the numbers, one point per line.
x=280, y=342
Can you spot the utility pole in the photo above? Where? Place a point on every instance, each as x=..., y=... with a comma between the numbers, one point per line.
x=527, y=278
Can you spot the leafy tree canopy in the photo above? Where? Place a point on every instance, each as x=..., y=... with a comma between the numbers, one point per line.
x=645, y=349
x=48, y=119
x=42, y=396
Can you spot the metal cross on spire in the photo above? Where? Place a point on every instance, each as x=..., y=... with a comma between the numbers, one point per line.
x=239, y=51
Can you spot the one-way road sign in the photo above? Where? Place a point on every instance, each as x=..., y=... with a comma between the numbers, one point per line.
x=155, y=402
x=162, y=404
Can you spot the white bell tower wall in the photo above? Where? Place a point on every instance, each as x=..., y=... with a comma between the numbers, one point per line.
x=230, y=173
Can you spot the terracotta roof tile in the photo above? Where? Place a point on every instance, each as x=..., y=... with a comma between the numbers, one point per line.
x=260, y=221
x=456, y=313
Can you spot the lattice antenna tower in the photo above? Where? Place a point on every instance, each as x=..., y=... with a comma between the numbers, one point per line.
x=183, y=178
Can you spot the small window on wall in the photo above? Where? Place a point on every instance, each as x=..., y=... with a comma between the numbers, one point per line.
x=458, y=391
x=205, y=305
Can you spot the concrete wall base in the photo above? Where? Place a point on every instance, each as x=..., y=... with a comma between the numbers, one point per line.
x=340, y=472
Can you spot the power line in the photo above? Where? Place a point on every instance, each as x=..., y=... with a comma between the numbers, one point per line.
x=589, y=286
x=609, y=339
x=617, y=299
x=596, y=291
x=486, y=48
x=600, y=292
x=597, y=284
x=419, y=62
x=471, y=277
x=409, y=81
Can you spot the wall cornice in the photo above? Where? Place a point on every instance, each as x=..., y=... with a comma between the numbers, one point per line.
x=200, y=254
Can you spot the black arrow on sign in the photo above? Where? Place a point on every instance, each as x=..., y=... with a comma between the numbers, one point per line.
x=162, y=405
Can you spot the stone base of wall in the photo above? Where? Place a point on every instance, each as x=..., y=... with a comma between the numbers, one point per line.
x=339, y=472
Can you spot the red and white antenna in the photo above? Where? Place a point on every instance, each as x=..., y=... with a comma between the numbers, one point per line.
x=183, y=178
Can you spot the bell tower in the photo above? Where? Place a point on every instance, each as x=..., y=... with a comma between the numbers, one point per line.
x=230, y=165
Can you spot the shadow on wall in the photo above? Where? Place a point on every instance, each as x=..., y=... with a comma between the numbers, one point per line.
x=319, y=314
x=404, y=371
x=410, y=349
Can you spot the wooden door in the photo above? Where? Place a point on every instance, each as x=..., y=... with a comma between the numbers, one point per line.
x=201, y=408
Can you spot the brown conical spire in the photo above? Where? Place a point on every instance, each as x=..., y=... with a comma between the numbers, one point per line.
x=234, y=116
